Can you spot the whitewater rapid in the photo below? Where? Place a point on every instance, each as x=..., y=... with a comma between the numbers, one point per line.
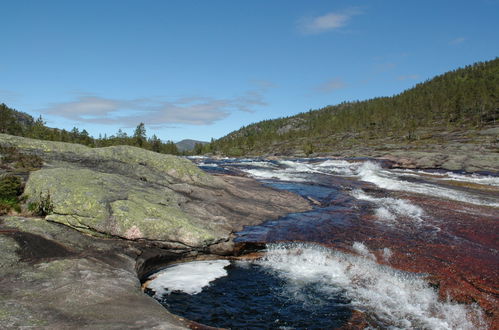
x=372, y=172
x=395, y=299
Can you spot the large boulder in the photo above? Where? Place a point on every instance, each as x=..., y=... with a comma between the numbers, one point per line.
x=116, y=205
x=132, y=193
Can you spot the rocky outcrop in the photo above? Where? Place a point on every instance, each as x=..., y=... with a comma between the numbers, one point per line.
x=436, y=148
x=458, y=160
x=140, y=208
x=136, y=194
x=53, y=277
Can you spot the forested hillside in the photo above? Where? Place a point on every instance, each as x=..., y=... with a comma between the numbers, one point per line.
x=459, y=100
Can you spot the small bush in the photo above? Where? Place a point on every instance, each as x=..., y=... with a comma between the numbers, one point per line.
x=43, y=206
x=29, y=162
x=6, y=205
x=308, y=149
x=19, y=160
x=10, y=187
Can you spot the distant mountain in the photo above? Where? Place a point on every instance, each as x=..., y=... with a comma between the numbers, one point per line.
x=459, y=101
x=188, y=145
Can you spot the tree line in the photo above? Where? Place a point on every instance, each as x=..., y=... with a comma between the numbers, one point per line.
x=18, y=123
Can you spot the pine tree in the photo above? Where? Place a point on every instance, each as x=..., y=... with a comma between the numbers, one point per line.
x=140, y=135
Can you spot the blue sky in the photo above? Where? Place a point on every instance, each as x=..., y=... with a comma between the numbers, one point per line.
x=201, y=69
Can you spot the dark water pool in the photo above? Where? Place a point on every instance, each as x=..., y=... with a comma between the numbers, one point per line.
x=251, y=298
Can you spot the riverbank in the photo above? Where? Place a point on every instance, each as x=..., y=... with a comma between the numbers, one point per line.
x=469, y=151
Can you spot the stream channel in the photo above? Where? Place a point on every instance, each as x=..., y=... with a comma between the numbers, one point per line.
x=381, y=248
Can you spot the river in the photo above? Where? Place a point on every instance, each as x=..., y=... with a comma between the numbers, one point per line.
x=382, y=247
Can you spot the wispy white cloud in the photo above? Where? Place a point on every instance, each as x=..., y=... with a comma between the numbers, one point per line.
x=196, y=110
x=385, y=67
x=264, y=84
x=457, y=41
x=8, y=96
x=327, y=22
x=408, y=77
x=330, y=86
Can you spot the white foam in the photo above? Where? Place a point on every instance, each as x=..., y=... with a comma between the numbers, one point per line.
x=257, y=164
x=390, y=209
x=361, y=249
x=295, y=171
x=196, y=157
x=371, y=172
x=267, y=174
x=299, y=167
x=387, y=254
x=339, y=167
x=189, y=277
x=474, y=178
x=286, y=170
x=208, y=164
x=400, y=299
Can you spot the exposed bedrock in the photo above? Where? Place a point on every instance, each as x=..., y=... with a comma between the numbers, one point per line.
x=136, y=194
x=52, y=276
x=117, y=213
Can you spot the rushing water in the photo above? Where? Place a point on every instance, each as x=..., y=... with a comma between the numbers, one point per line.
x=369, y=245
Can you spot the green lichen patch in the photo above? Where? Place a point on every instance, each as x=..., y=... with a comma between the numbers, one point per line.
x=115, y=205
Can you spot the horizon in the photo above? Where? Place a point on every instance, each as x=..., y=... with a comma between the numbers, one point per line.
x=86, y=65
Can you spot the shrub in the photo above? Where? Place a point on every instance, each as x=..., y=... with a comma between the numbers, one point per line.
x=19, y=160
x=10, y=187
x=308, y=149
x=6, y=205
x=43, y=206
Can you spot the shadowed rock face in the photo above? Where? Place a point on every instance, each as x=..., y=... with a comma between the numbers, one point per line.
x=52, y=276
x=136, y=194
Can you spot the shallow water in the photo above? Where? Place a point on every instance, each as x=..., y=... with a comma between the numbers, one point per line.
x=395, y=245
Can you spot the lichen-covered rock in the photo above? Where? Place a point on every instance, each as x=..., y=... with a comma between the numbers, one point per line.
x=115, y=205
x=137, y=194
x=127, y=160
